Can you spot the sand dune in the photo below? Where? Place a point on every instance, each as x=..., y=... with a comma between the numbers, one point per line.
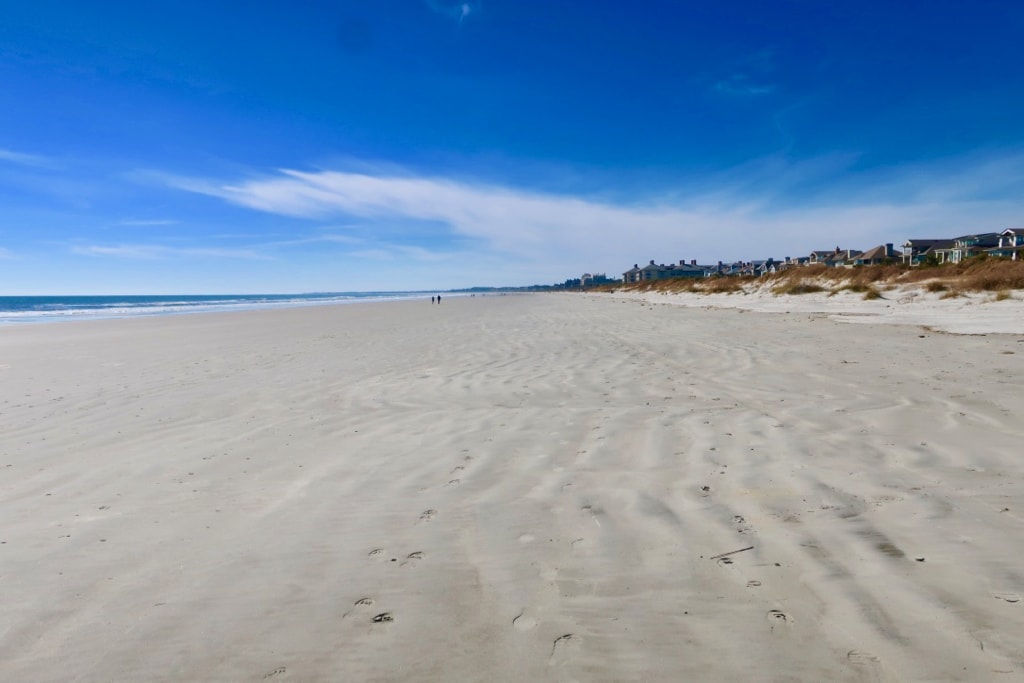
x=967, y=313
x=507, y=489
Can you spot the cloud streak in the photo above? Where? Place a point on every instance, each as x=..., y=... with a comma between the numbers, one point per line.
x=144, y=222
x=763, y=210
x=742, y=84
x=161, y=252
x=459, y=11
x=22, y=159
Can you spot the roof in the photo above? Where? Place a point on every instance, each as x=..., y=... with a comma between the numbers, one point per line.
x=925, y=246
x=879, y=252
x=984, y=239
x=844, y=255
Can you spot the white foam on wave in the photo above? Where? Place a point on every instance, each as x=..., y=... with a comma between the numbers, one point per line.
x=57, y=311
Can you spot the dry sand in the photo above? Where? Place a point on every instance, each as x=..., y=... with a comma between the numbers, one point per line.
x=969, y=313
x=518, y=488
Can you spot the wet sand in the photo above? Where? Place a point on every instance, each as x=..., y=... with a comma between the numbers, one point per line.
x=506, y=489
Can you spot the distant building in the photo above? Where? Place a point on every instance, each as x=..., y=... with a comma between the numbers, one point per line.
x=883, y=253
x=915, y=251
x=834, y=258
x=1011, y=243
x=592, y=280
x=654, y=271
x=967, y=246
x=790, y=262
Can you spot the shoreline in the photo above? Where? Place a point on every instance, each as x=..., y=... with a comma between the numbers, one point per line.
x=509, y=488
x=146, y=306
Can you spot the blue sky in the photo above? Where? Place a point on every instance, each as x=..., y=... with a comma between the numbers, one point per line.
x=192, y=147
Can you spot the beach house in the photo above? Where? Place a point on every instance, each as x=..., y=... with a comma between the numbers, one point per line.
x=883, y=253
x=967, y=246
x=835, y=258
x=915, y=251
x=820, y=256
x=790, y=262
x=1011, y=243
x=654, y=271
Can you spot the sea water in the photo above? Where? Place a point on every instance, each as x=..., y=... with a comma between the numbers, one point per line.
x=28, y=309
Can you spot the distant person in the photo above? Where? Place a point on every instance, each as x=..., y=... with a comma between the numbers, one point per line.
x=432, y=300
x=438, y=298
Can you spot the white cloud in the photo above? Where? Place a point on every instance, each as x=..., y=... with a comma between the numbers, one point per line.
x=768, y=209
x=21, y=158
x=156, y=251
x=456, y=10
x=6, y=253
x=317, y=239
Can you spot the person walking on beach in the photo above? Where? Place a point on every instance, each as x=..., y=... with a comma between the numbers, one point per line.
x=432, y=300
x=438, y=298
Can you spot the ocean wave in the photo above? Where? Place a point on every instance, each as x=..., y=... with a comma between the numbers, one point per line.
x=56, y=308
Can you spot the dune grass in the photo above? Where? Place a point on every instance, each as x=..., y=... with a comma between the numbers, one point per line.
x=795, y=288
x=978, y=274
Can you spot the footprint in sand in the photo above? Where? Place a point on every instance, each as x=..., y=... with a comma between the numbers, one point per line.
x=524, y=622
x=376, y=552
x=547, y=573
x=563, y=649
x=1008, y=597
x=276, y=672
x=427, y=515
x=358, y=604
x=865, y=660
x=458, y=468
x=453, y=482
x=777, y=618
x=861, y=658
x=383, y=618
x=595, y=512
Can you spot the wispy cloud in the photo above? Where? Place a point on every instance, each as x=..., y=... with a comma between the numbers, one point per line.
x=748, y=75
x=772, y=208
x=459, y=11
x=6, y=253
x=743, y=84
x=398, y=252
x=146, y=222
x=157, y=252
x=364, y=248
x=22, y=158
x=317, y=239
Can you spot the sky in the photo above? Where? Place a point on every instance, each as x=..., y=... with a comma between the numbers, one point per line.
x=308, y=146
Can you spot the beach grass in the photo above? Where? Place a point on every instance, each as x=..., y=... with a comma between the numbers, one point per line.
x=978, y=274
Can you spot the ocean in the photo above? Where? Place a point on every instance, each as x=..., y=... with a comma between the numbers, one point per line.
x=35, y=309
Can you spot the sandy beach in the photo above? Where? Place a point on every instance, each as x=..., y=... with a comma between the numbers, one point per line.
x=517, y=488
